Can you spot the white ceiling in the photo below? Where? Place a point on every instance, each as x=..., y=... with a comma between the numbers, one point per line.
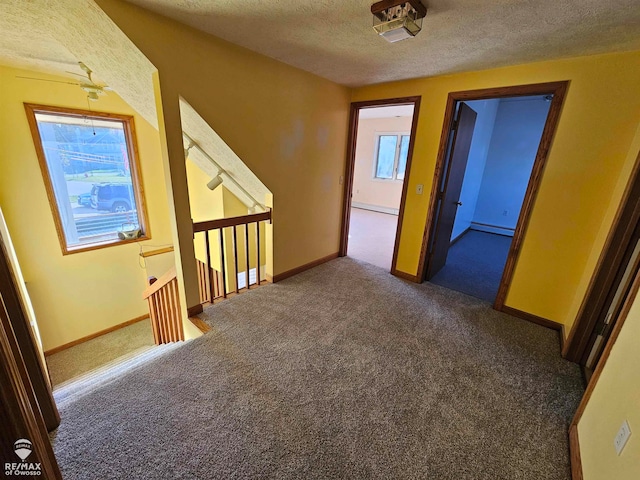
x=387, y=112
x=334, y=38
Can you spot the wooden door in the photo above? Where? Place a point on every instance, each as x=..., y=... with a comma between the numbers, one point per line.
x=618, y=293
x=29, y=351
x=449, y=195
x=608, y=279
x=19, y=409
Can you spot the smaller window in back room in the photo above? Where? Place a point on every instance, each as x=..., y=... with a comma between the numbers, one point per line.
x=391, y=156
x=91, y=176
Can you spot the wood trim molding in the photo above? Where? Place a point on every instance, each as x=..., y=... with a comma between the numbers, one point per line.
x=200, y=324
x=615, y=333
x=351, y=161
x=574, y=454
x=134, y=164
x=30, y=352
x=625, y=220
x=558, y=90
x=195, y=310
x=19, y=408
x=231, y=221
x=95, y=335
x=406, y=276
x=307, y=266
x=530, y=317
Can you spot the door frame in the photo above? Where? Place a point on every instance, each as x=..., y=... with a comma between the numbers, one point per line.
x=351, y=163
x=604, y=274
x=559, y=91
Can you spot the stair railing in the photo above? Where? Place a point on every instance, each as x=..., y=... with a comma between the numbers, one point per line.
x=216, y=284
x=164, y=308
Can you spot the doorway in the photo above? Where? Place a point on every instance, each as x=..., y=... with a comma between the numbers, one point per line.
x=494, y=146
x=381, y=139
x=613, y=285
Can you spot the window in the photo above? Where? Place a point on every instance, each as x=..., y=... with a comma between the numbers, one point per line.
x=91, y=175
x=391, y=156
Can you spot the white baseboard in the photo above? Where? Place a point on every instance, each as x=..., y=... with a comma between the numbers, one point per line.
x=483, y=227
x=375, y=208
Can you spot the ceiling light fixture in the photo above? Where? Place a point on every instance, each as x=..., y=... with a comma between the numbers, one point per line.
x=396, y=20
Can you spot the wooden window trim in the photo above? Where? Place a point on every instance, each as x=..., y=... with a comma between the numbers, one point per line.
x=134, y=164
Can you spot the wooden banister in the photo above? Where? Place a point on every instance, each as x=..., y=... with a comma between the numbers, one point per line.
x=164, y=308
x=159, y=283
x=231, y=221
x=214, y=284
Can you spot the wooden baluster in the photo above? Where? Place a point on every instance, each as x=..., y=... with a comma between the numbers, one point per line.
x=154, y=321
x=246, y=249
x=258, y=251
x=235, y=256
x=224, y=283
x=165, y=314
x=175, y=308
x=170, y=319
x=209, y=269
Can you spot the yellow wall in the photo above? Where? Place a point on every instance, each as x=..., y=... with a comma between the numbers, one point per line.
x=615, y=398
x=287, y=125
x=80, y=294
x=221, y=203
x=366, y=188
x=598, y=122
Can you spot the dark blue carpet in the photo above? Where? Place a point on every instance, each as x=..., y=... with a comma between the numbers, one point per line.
x=475, y=264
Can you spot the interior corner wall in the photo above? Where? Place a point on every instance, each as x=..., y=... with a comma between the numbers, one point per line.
x=512, y=152
x=486, y=116
x=83, y=293
x=288, y=126
x=587, y=156
x=367, y=189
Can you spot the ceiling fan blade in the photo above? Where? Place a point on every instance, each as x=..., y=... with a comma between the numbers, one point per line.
x=84, y=67
x=47, y=80
x=77, y=74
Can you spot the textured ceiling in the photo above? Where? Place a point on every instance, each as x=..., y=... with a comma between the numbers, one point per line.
x=334, y=38
x=53, y=35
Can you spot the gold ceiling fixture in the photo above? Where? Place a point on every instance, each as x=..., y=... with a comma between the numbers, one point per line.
x=396, y=20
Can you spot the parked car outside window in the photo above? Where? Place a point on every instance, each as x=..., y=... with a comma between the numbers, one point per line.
x=114, y=197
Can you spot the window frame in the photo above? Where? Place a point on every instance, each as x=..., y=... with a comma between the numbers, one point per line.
x=134, y=168
x=396, y=160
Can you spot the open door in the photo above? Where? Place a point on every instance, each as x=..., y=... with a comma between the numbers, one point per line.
x=17, y=305
x=449, y=195
x=611, y=285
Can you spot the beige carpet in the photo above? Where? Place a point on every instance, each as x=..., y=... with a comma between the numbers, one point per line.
x=342, y=372
x=93, y=354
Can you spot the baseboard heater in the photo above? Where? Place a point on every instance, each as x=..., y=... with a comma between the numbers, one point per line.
x=375, y=208
x=497, y=229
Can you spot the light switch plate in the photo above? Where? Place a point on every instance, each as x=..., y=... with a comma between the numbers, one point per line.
x=622, y=437
x=419, y=189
